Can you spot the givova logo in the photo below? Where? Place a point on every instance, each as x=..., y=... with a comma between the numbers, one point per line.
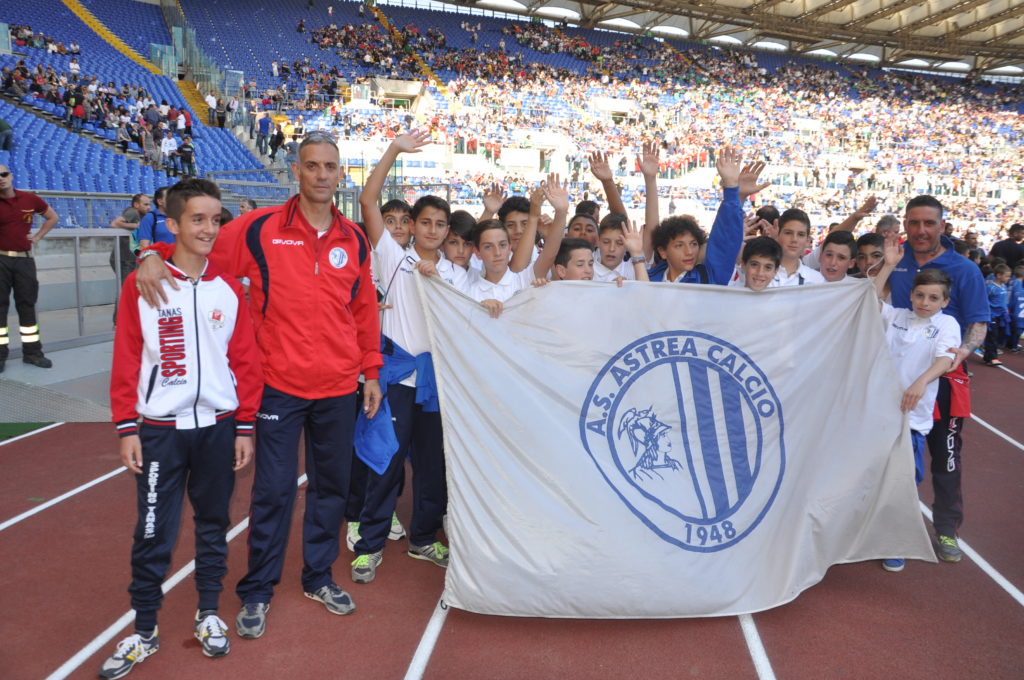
x=689, y=433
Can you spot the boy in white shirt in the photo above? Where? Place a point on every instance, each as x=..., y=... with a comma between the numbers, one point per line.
x=609, y=264
x=838, y=254
x=920, y=340
x=407, y=376
x=498, y=281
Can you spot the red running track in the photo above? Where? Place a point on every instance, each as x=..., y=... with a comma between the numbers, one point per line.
x=65, y=571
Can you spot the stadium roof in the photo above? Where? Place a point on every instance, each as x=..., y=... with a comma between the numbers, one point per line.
x=954, y=35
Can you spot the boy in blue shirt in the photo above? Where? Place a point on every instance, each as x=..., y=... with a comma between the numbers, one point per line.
x=678, y=240
x=999, y=326
x=1015, y=305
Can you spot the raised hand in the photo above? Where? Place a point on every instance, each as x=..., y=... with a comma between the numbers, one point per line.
x=412, y=142
x=556, y=192
x=493, y=198
x=868, y=207
x=892, y=251
x=748, y=179
x=648, y=159
x=728, y=165
x=633, y=237
x=537, y=196
x=599, y=166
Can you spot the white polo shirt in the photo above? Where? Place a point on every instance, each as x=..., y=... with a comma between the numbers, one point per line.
x=915, y=344
x=803, y=276
x=405, y=323
x=481, y=289
x=603, y=273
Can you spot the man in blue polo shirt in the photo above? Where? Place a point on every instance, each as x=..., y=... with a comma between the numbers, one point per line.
x=968, y=304
x=153, y=225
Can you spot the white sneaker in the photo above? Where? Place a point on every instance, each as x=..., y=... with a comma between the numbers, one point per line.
x=130, y=651
x=212, y=634
x=352, y=535
x=397, y=531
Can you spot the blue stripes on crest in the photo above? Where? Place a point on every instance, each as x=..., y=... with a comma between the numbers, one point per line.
x=705, y=408
x=733, y=406
x=686, y=442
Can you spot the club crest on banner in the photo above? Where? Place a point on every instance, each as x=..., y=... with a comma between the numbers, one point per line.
x=688, y=431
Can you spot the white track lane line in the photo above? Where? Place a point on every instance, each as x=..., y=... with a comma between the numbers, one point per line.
x=1001, y=580
x=63, y=497
x=1012, y=372
x=425, y=648
x=104, y=638
x=997, y=432
x=757, y=654
x=29, y=434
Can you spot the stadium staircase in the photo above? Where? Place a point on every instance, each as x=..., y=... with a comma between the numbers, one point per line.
x=98, y=27
x=190, y=91
x=428, y=72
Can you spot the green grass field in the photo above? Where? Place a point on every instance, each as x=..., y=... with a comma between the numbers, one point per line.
x=8, y=430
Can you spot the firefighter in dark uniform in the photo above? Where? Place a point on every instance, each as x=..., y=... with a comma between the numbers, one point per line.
x=17, y=267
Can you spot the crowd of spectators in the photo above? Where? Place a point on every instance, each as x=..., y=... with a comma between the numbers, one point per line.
x=23, y=36
x=129, y=110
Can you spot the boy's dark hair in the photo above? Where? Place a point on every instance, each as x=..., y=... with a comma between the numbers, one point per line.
x=924, y=201
x=768, y=213
x=672, y=227
x=1018, y=271
x=586, y=208
x=961, y=247
x=461, y=224
x=429, y=202
x=568, y=245
x=486, y=225
x=179, y=194
x=872, y=239
x=395, y=205
x=932, y=276
x=795, y=215
x=514, y=204
x=583, y=216
x=612, y=221
x=1002, y=268
x=842, y=238
x=763, y=246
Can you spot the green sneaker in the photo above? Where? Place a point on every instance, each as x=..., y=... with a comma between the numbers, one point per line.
x=397, y=531
x=949, y=549
x=352, y=535
x=364, y=567
x=130, y=651
x=434, y=552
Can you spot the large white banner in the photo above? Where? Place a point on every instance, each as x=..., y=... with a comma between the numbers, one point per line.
x=665, y=450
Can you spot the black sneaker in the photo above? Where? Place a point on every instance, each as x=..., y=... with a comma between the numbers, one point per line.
x=37, y=360
x=251, y=622
x=130, y=651
x=336, y=600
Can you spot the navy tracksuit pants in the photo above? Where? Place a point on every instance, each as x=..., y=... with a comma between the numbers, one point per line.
x=199, y=461
x=328, y=425
x=429, y=487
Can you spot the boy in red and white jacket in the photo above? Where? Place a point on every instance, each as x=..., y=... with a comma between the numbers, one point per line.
x=191, y=369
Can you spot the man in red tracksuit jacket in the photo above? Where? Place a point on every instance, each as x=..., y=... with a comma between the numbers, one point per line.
x=315, y=311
